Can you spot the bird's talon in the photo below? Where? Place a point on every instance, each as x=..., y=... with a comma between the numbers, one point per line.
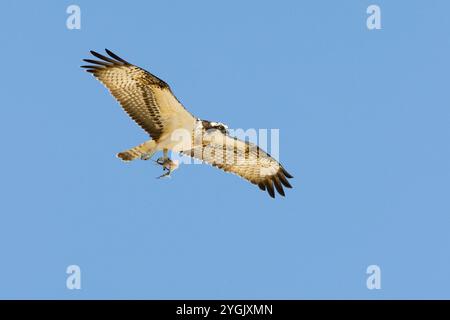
x=161, y=161
x=165, y=175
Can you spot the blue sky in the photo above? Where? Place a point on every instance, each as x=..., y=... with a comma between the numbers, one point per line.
x=364, y=128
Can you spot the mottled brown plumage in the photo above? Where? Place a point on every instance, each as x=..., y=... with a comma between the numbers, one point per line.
x=150, y=102
x=242, y=158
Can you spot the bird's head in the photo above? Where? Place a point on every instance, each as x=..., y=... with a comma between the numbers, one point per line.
x=208, y=125
x=220, y=126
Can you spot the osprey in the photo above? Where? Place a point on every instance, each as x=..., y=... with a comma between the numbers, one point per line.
x=149, y=101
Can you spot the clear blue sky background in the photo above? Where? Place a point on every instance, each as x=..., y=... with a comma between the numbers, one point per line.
x=364, y=127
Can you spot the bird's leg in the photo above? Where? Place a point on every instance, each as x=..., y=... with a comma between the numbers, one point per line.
x=164, y=160
x=167, y=164
x=170, y=166
x=160, y=161
x=166, y=167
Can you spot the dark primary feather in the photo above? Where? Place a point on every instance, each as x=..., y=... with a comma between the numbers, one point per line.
x=136, y=89
x=116, y=57
x=102, y=57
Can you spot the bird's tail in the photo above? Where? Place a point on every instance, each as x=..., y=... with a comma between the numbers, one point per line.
x=143, y=151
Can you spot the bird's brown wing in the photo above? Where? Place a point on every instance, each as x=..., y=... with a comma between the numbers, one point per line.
x=242, y=158
x=147, y=99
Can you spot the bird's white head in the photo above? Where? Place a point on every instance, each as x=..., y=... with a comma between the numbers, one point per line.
x=208, y=125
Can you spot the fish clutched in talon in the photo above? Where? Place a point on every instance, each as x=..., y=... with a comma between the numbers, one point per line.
x=168, y=165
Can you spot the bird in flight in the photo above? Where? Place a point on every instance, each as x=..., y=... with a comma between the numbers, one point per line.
x=149, y=101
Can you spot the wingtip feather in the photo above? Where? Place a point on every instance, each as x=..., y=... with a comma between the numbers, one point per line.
x=287, y=174
x=269, y=187
x=278, y=186
x=115, y=56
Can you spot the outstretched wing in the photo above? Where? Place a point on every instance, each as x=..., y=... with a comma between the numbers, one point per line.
x=147, y=99
x=243, y=158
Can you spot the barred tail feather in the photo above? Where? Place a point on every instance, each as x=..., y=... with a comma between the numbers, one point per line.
x=147, y=148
